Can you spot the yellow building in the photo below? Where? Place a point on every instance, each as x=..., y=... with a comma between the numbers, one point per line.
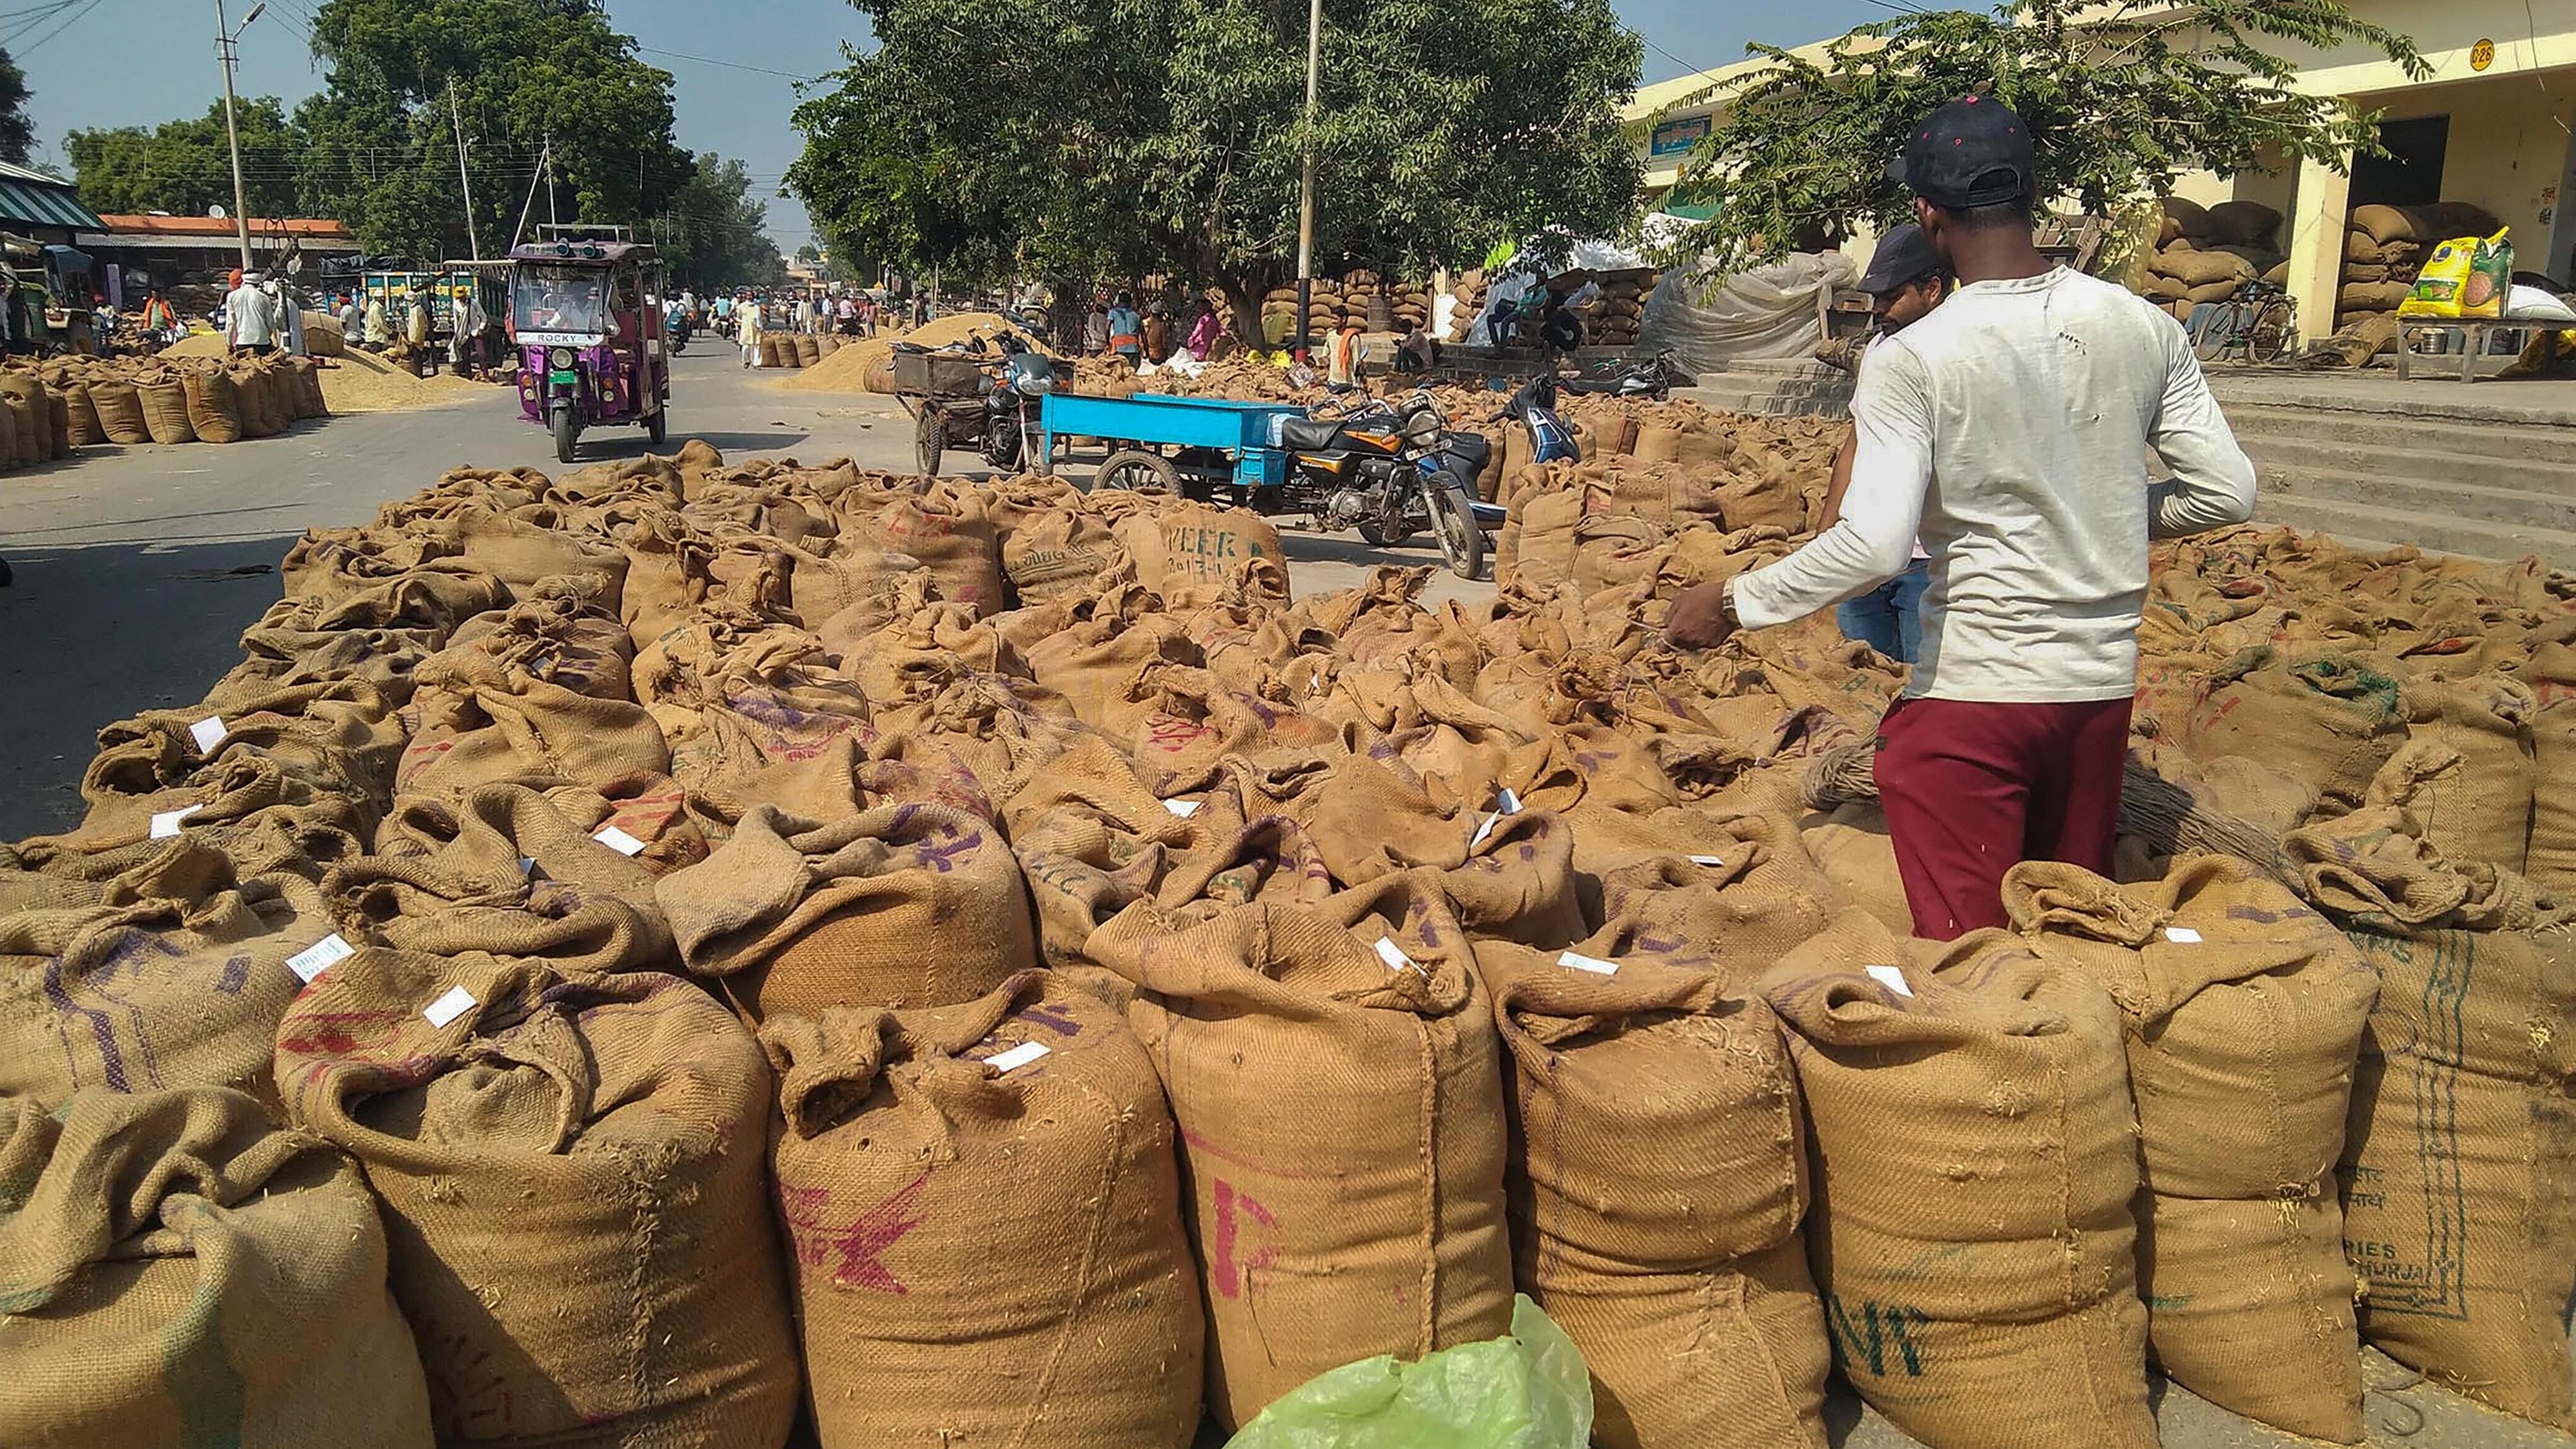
x=2493, y=124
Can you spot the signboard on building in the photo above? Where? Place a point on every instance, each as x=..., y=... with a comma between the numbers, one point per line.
x=1676, y=138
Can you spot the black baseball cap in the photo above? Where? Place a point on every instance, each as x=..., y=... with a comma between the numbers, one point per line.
x=1972, y=152
x=1902, y=256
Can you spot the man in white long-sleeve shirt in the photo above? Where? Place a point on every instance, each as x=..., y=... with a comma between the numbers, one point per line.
x=2009, y=428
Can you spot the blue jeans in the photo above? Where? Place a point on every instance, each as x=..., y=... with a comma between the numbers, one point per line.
x=1889, y=618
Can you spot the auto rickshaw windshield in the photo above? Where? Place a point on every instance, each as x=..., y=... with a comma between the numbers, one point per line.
x=559, y=299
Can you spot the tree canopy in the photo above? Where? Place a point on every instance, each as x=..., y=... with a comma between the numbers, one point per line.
x=2118, y=98
x=183, y=167
x=1082, y=137
x=17, y=134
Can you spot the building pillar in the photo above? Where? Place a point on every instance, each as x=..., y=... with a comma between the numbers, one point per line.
x=2559, y=261
x=2320, y=208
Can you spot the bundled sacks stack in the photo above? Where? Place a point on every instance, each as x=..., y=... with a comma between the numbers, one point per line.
x=1362, y=299
x=2384, y=247
x=654, y=946
x=64, y=403
x=1610, y=317
x=1467, y=292
x=2207, y=254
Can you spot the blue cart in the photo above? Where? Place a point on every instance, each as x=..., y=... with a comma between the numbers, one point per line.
x=1154, y=442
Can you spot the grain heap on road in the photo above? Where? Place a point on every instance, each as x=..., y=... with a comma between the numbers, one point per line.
x=991, y=937
x=354, y=381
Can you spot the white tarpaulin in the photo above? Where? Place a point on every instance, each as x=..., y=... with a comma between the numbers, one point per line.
x=1765, y=311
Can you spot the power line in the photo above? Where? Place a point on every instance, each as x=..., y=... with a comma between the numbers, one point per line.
x=730, y=64
x=66, y=23
x=1675, y=59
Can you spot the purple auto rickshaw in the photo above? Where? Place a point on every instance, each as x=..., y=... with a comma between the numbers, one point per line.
x=586, y=316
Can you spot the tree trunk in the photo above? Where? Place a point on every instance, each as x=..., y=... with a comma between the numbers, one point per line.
x=1243, y=292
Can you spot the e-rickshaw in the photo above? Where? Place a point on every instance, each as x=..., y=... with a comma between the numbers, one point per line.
x=586, y=316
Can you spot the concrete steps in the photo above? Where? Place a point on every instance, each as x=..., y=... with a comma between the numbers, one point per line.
x=1788, y=387
x=2486, y=487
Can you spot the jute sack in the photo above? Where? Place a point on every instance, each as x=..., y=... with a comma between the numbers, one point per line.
x=984, y=1214
x=258, y=404
x=2481, y=811
x=1547, y=538
x=120, y=411
x=2328, y=720
x=165, y=409
x=26, y=431
x=178, y=983
x=22, y=387
x=1657, y=1182
x=214, y=405
x=571, y=1176
x=1975, y=1157
x=1193, y=553
x=80, y=416
x=483, y=721
x=1385, y=1235
x=948, y=536
x=175, y=1271
x=903, y=905
x=2551, y=862
x=2245, y=1012
x=1056, y=553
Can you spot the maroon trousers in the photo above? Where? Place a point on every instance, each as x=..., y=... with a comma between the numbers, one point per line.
x=1971, y=790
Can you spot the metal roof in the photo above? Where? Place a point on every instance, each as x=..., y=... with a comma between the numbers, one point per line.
x=31, y=198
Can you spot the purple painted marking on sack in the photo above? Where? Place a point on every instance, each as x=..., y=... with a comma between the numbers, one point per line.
x=236, y=976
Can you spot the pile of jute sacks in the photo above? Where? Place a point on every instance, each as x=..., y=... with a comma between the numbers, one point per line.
x=50, y=408
x=644, y=954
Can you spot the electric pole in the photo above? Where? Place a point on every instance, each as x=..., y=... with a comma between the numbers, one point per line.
x=226, y=43
x=1306, y=191
x=473, y=242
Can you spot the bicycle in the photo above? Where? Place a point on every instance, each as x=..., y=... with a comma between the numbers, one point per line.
x=2261, y=321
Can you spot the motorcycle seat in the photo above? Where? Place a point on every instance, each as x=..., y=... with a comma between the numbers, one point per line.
x=1471, y=448
x=1309, y=434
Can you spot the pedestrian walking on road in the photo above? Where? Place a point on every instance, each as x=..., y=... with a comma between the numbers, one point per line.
x=1905, y=281
x=747, y=312
x=249, y=325
x=2008, y=430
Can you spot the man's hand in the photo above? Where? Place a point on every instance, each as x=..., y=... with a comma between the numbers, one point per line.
x=1700, y=618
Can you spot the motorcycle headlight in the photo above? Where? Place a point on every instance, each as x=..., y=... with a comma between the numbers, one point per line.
x=560, y=359
x=1423, y=426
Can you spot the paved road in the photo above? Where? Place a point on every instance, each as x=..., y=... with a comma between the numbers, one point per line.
x=138, y=568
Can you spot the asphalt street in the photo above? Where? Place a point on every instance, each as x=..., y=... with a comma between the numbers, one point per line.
x=137, y=568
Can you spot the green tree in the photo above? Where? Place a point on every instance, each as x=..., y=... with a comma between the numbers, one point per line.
x=714, y=231
x=185, y=166
x=382, y=152
x=17, y=135
x=2118, y=98
x=1076, y=137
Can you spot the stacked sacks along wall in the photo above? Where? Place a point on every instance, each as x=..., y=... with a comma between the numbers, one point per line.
x=734, y=718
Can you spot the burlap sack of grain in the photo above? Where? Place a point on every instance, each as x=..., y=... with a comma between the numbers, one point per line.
x=1547, y=544
x=522, y=554
x=323, y=335
x=339, y=737
x=2373, y=296
x=1100, y=647
x=1386, y=1235
x=2244, y=223
x=2327, y=720
x=482, y=721
x=776, y=351
x=120, y=411
x=2189, y=218
x=23, y=387
x=2384, y=223
x=571, y=1174
x=1975, y=1158
x=1658, y=1176
x=164, y=401
x=214, y=405
x=2551, y=863
x=27, y=428
x=986, y=1247
x=560, y=632
x=943, y=532
x=243, y=803
x=58, y=424
x=80, y=417
x=178, y=1272
x=452, y=898
x=2197, y=268
x=1056, y=553
x=809, y=350
x=904, y=905
x=2214, y=291
x=1745, y=892
x=2481, y=810
x=176, y=978
x=1193, y=553
x=311, y=401
x=256, y=400
x=2245, y=1012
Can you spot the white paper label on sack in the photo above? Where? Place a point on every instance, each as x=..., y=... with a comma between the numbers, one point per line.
x=2182, y=935
x=527, y=865
x=1183, y=808
x=1712, y=861
x=447, y=1008
x=1017, y=1057
x=1393, y=955
x=1511, y=802
x=1593, y=964
x=321, y=956
x=1891, y=978
x=1484, y=830
x=166, y=824
x=208, y=733
x=619, y=841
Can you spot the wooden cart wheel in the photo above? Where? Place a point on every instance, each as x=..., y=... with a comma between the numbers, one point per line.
x=1138, y=471
x=929, y=435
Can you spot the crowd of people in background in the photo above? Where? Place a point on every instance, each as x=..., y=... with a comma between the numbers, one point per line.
x=748, y=314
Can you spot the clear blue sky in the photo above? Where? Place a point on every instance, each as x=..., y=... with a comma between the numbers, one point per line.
x=137, y=62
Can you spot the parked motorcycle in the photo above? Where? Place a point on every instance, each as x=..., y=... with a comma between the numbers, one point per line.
x=1534, y=407
x=1023, y=375
x=1390, y=471
x=1652, y=380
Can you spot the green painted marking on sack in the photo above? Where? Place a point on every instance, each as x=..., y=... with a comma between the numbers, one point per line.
x=1868, y=1341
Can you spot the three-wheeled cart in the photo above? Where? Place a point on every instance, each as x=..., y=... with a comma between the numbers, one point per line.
x=1152, y=442
x=944, y=393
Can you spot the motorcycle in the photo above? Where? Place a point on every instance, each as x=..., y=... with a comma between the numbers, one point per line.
x=1652, y=380
x=1390, y=472
x=1018, y=380
x=1534, y=407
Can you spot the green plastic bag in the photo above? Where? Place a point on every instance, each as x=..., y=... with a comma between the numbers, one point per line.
x=1529, y=1390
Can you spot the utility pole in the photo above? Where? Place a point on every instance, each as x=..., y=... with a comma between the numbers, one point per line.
x=226, y=43
x=473, y=242
x=553, y=217
x=530, y=204
x=1306, y=191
